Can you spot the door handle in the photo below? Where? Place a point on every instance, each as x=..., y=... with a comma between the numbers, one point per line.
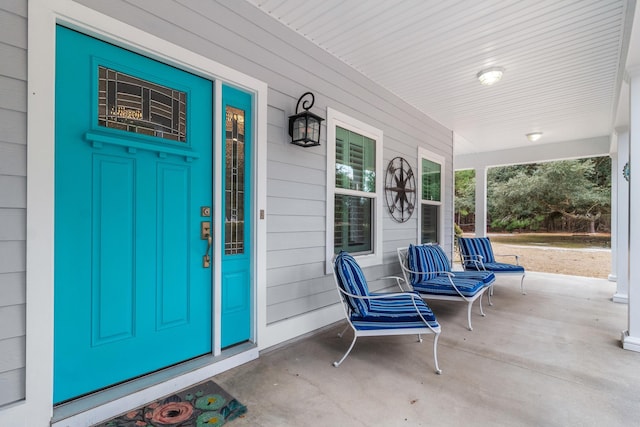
x=205, y=234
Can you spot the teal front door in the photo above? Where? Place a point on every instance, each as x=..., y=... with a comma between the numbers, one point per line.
x=133, y=197
x=236, y=211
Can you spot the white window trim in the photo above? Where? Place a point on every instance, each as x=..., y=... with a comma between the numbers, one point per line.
x=336, y=118
x=436, y=158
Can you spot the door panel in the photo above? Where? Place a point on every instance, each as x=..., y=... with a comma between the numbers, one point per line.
x=112, y=315
x=133, y=168
x=237, y=212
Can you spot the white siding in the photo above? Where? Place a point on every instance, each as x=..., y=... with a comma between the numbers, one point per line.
x=242, y=37
x=13, y=172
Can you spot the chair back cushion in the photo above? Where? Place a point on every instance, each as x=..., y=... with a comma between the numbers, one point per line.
x=425, y=261
x=351, y=279
x=470, y=247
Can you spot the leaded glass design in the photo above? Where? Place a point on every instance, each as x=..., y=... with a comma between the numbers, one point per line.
x=234, y=181
x=139, y=106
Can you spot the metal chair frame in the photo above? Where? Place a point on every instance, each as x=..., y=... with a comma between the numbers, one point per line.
x=415, y=298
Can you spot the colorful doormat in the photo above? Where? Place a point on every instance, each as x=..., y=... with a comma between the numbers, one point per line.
x=204, y=405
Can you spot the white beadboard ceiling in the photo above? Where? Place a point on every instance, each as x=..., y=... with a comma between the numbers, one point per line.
x=563, y=60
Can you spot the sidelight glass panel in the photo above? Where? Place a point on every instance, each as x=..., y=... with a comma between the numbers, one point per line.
x=234, y=181
x=140, y=106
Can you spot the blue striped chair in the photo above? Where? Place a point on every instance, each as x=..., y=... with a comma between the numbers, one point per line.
x=476, y=254
x=427, y=270
x=376, y=314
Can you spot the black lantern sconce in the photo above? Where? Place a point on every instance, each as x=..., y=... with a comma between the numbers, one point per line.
x=304, y=128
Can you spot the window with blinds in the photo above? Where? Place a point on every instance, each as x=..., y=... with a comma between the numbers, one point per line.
x=430, y=197
x=355, y=186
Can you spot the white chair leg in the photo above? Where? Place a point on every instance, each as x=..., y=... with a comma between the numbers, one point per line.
x=435, y=353
x=336, y=364
x=419, y=338
x=343, y=331
x=469, y=304
x=490, y=294
x=522, y=285
x=480, y=303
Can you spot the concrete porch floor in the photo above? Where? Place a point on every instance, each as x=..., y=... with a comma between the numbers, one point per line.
x=552, y=357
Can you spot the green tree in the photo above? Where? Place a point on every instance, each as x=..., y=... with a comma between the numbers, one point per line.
x=578, y=191
x=465, y=195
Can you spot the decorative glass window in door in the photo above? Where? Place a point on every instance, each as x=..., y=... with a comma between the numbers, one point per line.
x=140, y=106
x=234, y=185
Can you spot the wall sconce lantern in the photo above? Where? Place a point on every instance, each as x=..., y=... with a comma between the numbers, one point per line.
x=304, y=128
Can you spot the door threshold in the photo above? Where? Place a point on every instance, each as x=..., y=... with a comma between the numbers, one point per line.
x=108, y=403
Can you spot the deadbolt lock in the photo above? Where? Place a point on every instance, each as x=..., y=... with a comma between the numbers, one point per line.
x=205, y=211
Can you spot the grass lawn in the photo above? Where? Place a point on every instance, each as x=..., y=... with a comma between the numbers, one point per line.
x=559, y=240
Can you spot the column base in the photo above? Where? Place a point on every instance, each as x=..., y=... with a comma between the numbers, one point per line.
x=629, y=342
x=612, y=277
x=620, y=298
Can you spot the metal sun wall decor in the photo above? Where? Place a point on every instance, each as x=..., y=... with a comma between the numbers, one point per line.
x=400, y=189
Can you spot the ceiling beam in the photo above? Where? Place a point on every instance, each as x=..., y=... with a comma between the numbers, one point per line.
x=576, y=149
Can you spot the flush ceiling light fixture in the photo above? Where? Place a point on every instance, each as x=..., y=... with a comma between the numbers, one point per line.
x=534, y=136
x=490, y=76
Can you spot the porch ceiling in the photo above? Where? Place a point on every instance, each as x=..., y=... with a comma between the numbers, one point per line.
x=564, y=61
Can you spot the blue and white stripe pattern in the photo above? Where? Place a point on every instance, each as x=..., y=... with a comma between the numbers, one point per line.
x=487, y=277
x=442, y=286
x=426, y=262
x=429, y=266
x=351, y=280
x=395, y=311
x=472, y=248
x=477, y=253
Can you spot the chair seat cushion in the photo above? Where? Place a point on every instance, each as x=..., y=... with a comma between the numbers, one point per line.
x=487, y=277
x=396, y=312
x=497, y=267
x=440, y=285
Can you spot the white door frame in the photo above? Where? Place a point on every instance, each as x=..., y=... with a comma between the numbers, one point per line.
x=43, y=15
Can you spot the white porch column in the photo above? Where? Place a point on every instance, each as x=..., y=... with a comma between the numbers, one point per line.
x=481, y=201
x=631, y=337
x=613, y=275
x=620, y=199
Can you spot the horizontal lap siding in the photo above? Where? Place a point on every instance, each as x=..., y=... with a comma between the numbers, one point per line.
x=242, y=37
x=13, y=196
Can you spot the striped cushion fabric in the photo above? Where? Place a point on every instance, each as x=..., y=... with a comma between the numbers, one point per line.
x=471, y=247
x=441, y=286
x=487, y=277
x=428, y=260
x=396, y=312
x=500, y=267
x=351, y=280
